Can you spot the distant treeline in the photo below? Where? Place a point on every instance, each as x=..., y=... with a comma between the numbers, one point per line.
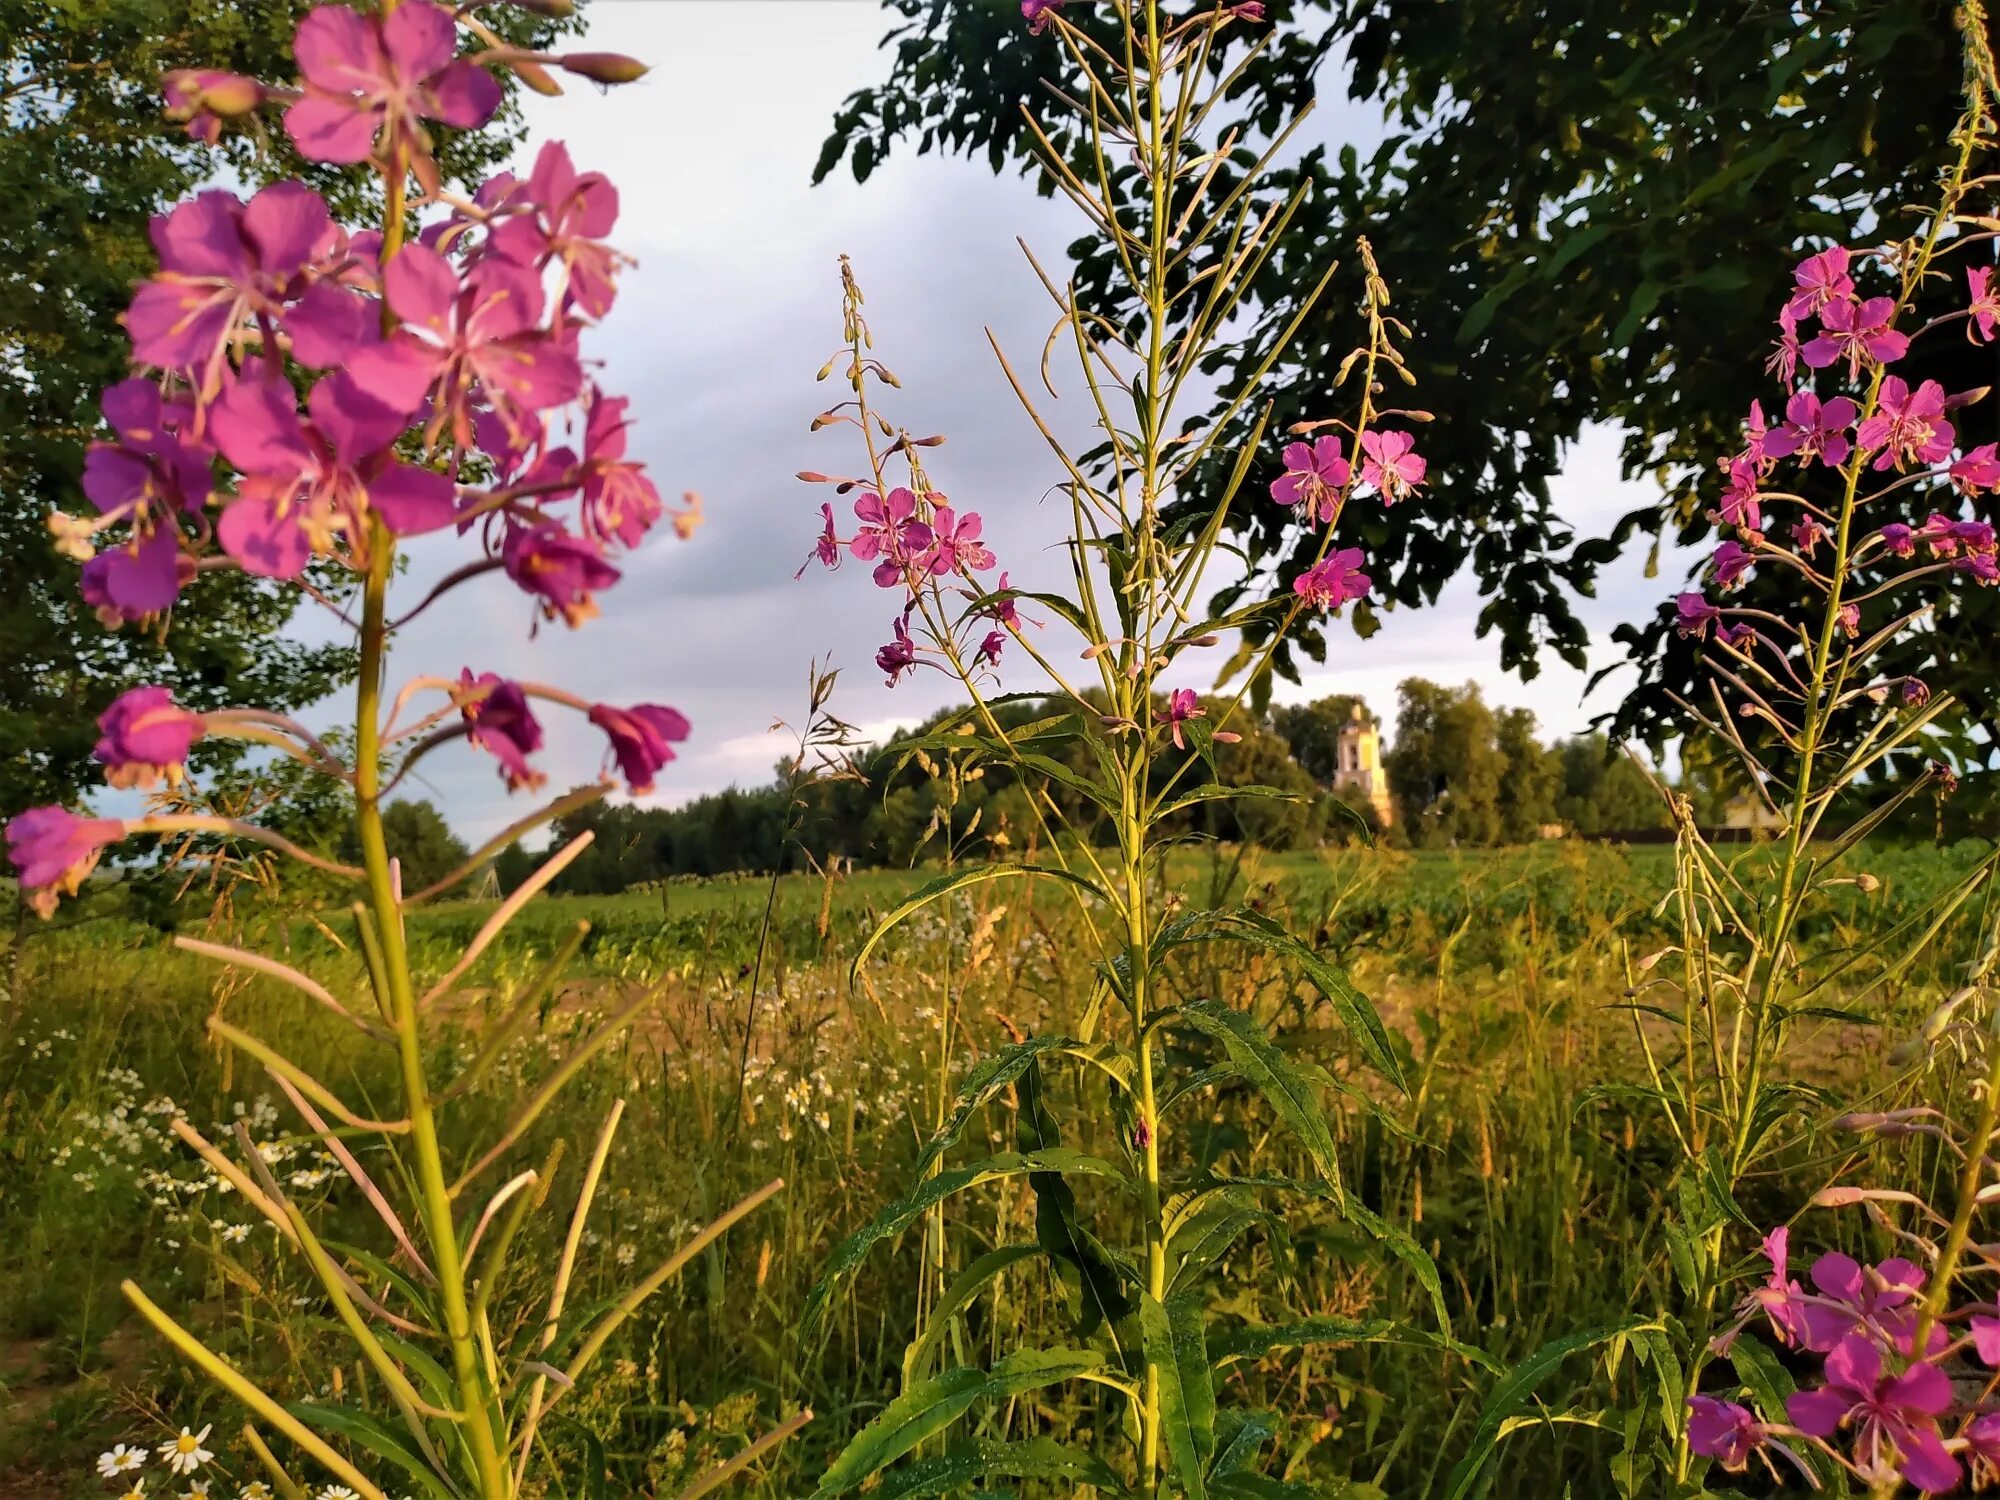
x=1460, y=772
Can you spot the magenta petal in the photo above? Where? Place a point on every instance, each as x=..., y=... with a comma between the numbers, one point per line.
x=1922, y=1388
x=506, y=299
x=114, y=477
x=396, y=372
x=175, y=325
x=355, y=423
x=144, y=581
x=597, y=210
x=420, y=285
x=1837, y=1275
x=1816, y=1413
x=531, y=371
x=1926, y=1463
x=464, y=94
x=256, y=425
x=262, y=540
x=332, y=130
x=286, y=221
x=338, y=49
x=328, y=323
x=413, y=500
x=201, y=238
x=133, y=407
x=420, y=38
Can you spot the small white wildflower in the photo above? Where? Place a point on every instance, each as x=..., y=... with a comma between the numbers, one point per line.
x=185, y=1453
x=627, y=1253
x=123, y=1458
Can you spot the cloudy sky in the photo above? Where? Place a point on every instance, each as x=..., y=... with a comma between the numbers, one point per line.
x=718, y=333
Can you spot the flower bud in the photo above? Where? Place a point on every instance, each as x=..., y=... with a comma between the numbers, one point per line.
x=555, y=10
x=536, y=77
x=605, y=67
x=1867, y=884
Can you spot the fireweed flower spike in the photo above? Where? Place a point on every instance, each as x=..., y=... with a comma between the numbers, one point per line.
x=308, y=394
x=1333, y=580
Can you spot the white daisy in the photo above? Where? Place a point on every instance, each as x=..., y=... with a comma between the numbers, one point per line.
x=256, y=1489
x=122, y=1459
x=185, y=1453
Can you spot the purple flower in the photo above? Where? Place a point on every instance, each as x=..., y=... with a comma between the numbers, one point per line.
x=150, y=469
x=1038, y=14
x=563, y=569
x=1003, y=611
x=990, y=648
x=1908, y=426
x=618, y=499
x=1979, y=566
x=369, y=81
x=1723, y=1430
x=1316, y=476
x=1812, y=428
x=1985, y=308
x=204, y=97
x=222, y=261
x=305, y=482
x=1898, y=540
x=1389, y=464
x=1978, y=471
x=146, y=738
x=1183, y=704
x=640, y=738
x=1732, y=561
x=1916, y=693
x=1881, y=1299
x=566, y=215
x=890, y=536
x=899, y=655
x=1858, y=332
x=826, y=547
x=139, y=578
x=1821, y=279
x=1693, y=614
x=1739, y=637
x=1755, y=433
x=499, y=720
x=486, y=332
x=955, y=543
x=1333, y=580
x=1739, y=500
x=1894, y=1418
x=54, y=851
x=1982, y=1449
x=1808, y=534
x=1848, y=617
x=1783, y=360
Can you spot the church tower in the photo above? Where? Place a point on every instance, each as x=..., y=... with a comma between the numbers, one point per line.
x=1358, y=764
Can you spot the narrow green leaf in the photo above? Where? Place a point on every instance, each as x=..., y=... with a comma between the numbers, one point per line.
x=957, y=880
x=964, y=1287
x=934, y=1404
x=1273, y=1075
x=990, y=1077
x=371, y=1436
x=1176, y=1351
x=1037, y=1458
x=1254, y=1342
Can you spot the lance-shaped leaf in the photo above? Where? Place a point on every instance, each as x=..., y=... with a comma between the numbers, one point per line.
x=1255, y=1341
x=932, y=1405
x=964, y=1287
x=1271, y=1072
x=1037, y=1458
x=898, y=1216
x=1203, y=1229
x=1097, y=1277
x=1177, y=1351
x=990, y=1077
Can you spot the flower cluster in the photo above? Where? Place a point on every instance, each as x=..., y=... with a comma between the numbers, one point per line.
x=1886, y=1405
x=1319, y=478
x=1881, y=424
x=305, y=397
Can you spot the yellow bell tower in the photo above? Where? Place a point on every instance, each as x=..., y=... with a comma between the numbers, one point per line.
x=1358, y=764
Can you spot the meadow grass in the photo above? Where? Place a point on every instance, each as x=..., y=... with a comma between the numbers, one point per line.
x=1525, y=1163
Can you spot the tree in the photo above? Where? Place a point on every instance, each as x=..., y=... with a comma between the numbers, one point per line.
x=85, y=161
x=1445, y=766
x=1312, y=730
x=1603, y=792
x=1530, y=777
x=422, y=842
x=1588, y=213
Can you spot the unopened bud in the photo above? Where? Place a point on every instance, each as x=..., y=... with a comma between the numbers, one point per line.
x=537, y=77
x=72, y=536
x=555, y=10
x=605, y=67
x=191, y=91
x=1839, y=1197
x=812, y=477
x=1225, y=736
x=928, y=442
x=1867, y=884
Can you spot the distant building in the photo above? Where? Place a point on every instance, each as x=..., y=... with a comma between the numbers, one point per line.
x=1358, y=764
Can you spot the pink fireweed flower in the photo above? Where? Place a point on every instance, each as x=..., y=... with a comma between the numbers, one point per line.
x=150, y=469
x=484, y=332
x=641, y=738
x=1977, y=471
x=1732, y=562
x=1848, y=617
x=1316, y=476
x=54, y=851
x=370, y=81
x=1894, y=1418
x=1982, y=1449
x=1879, y=1300
x=1898, y=540
x=1333, y=580
x=1821, y=279
x=499, y=720
x=203, y=98
x=1807, y=535
x=1980, y=567
x=1724, y=1431
x=1738, y=637
x=619, y=501
x=1813, y=428
x=1740, y=506
x=146, y=738
x=1916, y=693
x=1858, y=332
x=991, y=647
x=1693, y=614
x=1391, y=465
x=1038, y=14
x=899, y=655
x=564, y=570
x=221, y=262
x=1783, y=360
x=1182, y=705
x=566, y=216
x=1755, y=432
x=1908, y=426
x=955, y=543
x=1985, y=308
x=1004, y=609
x=890, y=536
x=136, y=579
x=826, y=546
x=305, y=482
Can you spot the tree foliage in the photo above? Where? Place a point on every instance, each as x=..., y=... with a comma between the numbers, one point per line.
x=86, y=160
x=1588, y=214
